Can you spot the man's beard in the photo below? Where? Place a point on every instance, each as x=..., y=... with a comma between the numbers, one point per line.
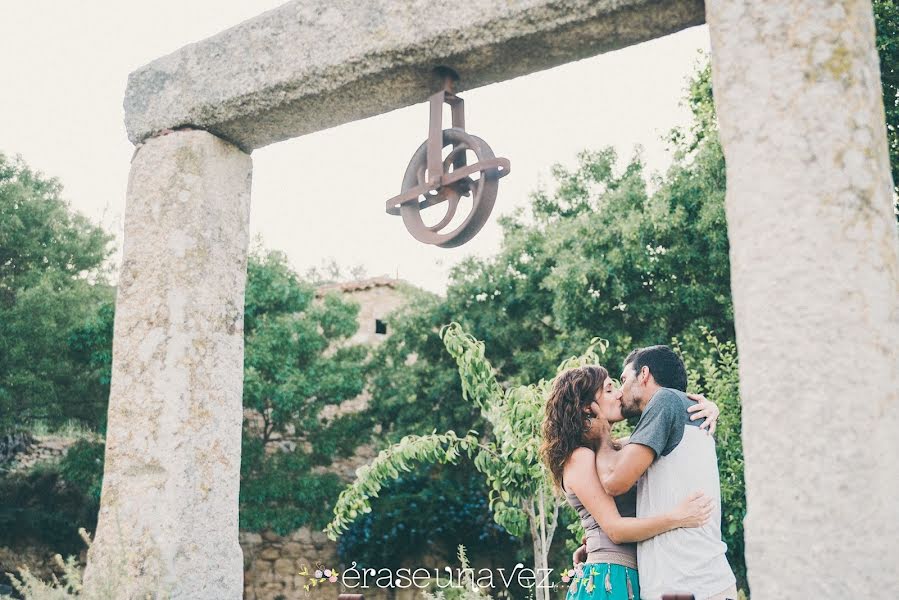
x=629, y=410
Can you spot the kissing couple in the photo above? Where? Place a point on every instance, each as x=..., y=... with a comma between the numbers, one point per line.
x=651, y=504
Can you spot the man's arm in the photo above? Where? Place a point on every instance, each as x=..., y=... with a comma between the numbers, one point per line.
x=660, y=428
x=619, y=470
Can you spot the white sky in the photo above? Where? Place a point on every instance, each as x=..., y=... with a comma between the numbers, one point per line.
x=65, y=66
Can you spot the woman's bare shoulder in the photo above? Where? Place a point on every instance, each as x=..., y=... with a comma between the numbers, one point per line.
x=579, y=457
x=578, y=463
x=582, y=453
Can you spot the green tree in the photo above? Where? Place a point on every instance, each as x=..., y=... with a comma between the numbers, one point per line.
x=41, y=508
x=886, y=20
x=403, y=524
x=53, y=275
x=414, y=383
x=296, y=362
x=643, y=268
x=291, y=372
x=90, y=346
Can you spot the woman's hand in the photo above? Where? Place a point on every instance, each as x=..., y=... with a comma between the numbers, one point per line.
x=706, y=409
x=580, y=555
x=694, y=511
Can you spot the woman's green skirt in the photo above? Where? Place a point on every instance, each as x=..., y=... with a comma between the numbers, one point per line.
x=604, y=581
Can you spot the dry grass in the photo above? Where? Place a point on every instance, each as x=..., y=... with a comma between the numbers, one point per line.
x=108, y=586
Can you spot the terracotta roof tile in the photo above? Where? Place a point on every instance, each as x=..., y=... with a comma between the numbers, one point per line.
x=359, y=285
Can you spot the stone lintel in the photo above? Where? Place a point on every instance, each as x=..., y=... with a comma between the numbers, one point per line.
x=313, y=64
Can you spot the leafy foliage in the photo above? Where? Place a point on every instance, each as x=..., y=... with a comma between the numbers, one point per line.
x=296, y=362
x=426, y=513
x=413, y=380
x=886, y=20
x=415, y=387
x=82, y=469
x=52, y=276
x=32, y=588
x=412, y=450
x=45, y=504
x=40, y=507
x=295, y=365
x=90, y=346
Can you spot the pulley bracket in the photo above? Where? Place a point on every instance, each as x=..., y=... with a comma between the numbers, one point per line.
x=431, y=179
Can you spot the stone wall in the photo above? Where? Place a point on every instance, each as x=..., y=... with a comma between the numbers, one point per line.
x=12, y=444
x=377, y=298
x=32, y=450
x=272, y=563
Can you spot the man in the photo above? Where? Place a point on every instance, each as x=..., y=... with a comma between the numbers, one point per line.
x=668, y=456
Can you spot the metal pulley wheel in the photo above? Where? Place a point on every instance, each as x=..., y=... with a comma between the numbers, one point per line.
x=482, y=190
x=431, y=179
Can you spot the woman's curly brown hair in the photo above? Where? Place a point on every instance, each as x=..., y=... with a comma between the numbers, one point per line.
x=565, y=422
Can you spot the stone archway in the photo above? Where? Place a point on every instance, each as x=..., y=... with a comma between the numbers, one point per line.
x=814, y=253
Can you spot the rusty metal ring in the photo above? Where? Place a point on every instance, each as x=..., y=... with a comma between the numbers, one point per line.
x=483, y=193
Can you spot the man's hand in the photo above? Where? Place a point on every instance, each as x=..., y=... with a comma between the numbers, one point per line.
x=706, y=409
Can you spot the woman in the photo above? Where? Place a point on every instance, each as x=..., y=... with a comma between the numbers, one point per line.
x=570, y=435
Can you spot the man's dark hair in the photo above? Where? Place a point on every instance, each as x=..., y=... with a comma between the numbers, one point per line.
x=666, y=367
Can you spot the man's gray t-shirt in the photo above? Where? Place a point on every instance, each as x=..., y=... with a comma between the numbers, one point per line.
x=688, y=560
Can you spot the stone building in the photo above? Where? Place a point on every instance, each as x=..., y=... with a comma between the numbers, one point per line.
x=377, y=298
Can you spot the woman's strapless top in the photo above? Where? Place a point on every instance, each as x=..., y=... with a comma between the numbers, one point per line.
x=598, y=543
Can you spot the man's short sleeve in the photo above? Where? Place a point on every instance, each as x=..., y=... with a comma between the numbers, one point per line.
x=661, y=426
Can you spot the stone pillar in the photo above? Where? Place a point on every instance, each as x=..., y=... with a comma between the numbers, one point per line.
x=168, y=515
x=815, y=278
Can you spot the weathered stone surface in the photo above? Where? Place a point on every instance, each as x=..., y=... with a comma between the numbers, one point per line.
x=168, y=515
x=319, y=538
x=250, y=538
x=284, y=567
x=293, y=549
x=270, y=553
x=302, y=535
x=313, y=64
x=815, y=279
x=22, y=452
x=270, y=536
